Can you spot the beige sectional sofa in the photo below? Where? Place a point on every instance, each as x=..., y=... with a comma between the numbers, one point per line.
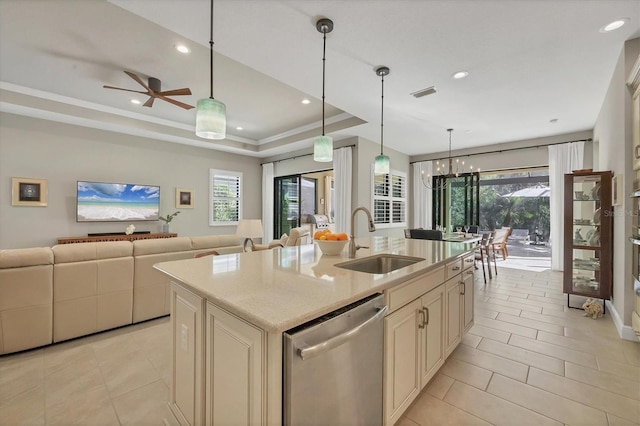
x=53, y=294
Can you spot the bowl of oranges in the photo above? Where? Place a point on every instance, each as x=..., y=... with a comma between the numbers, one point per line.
x=330, y=243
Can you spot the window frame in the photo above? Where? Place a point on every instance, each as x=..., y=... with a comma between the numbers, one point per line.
x=213, y=173
x=390, y=198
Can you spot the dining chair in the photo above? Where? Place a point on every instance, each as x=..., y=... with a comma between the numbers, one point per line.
x=426, y=234
x=479, y=254
x=500, y=241
x=491, y=253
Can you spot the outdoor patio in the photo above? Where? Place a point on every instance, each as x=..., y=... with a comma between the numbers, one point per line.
x=529, y=257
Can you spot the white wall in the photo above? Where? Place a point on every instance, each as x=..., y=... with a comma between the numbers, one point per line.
x=63, y=154
x=612, y=133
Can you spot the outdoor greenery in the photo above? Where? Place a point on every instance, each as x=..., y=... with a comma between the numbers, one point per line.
x=497, y=211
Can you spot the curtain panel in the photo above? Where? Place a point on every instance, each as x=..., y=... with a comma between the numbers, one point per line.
x=267, y=203
x=342, y=173
x=422, y=197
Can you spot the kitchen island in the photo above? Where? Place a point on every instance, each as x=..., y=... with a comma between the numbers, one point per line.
x=229, y=312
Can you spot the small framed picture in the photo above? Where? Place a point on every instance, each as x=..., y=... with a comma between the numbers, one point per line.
x=616, y=190
x=29, y=192
x=184, y=198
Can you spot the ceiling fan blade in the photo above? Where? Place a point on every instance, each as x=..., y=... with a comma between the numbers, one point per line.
x=175, y=92
x=139, y=80
x=177, y=103
x=149, y=102
x=126, y=90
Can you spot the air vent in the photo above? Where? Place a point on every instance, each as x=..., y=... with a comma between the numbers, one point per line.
x=424, y=92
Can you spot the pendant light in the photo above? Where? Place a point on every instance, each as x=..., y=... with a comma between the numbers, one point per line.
x=381, y=165
x=211, y=114
x=323, y=145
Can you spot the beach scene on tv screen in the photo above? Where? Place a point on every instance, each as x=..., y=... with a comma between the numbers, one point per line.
x=117, y=202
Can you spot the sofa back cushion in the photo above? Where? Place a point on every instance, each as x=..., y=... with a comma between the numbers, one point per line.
x=223, y=244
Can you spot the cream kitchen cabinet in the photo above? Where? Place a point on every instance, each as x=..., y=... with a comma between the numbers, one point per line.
x=234, y=358
x=432, y=334
x=453, y=291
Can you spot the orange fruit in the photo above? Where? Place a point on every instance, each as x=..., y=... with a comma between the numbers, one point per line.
x=317, y=234
x=342, y=236
x=332, y=237
x=322, y=237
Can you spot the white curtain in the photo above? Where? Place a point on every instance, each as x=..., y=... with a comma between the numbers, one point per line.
x=328, y=203
x=562, y=159
x=422, y=198
x=267, y=202
x=342, y=171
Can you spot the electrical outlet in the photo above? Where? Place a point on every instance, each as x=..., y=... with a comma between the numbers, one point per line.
x=184, y=337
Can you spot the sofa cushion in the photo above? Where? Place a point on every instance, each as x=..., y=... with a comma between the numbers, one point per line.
x=215, y=241
x=18, y=258
x=161, y=245
x=82, y=252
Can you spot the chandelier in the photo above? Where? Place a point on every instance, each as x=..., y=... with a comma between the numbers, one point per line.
x=446, y=171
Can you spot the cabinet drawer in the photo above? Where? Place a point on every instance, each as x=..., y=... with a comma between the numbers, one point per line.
x=468, y=261
x=402, y=294
x=453, y=268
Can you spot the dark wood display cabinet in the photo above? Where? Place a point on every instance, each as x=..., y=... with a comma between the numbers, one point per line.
x=588, y=235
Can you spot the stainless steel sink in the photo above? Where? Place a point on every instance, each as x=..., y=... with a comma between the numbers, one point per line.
x=379, y=264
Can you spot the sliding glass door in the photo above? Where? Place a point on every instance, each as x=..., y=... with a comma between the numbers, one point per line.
x=295, y=199
x=456, y=201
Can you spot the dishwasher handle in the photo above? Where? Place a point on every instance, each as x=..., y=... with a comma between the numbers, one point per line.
x=311, y=351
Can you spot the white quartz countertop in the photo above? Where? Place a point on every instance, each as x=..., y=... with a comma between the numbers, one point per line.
x=282, y=288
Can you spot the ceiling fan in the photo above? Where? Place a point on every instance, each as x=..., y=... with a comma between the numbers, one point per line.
x=153, y=90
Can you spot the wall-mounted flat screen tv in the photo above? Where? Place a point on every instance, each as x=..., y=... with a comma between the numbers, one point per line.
x=117, y=202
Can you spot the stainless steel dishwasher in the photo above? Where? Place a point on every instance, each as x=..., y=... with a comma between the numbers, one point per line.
x=333, y=367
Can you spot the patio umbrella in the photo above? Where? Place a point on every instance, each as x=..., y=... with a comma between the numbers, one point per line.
x=538, y=191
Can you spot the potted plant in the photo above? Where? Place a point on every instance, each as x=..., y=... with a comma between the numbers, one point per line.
x=167, y=220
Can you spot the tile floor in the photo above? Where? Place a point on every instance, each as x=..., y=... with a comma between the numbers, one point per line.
x=528, y=360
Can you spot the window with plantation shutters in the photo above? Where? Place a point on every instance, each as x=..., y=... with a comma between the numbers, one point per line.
x=225, y=192
x=389, y=198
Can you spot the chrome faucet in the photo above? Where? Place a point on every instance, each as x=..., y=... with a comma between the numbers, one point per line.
x=372, y=227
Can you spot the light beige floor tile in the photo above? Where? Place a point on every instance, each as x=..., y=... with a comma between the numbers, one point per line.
x=430, y=411
x=25, y=409
x=546, y=403
x=617, y=421
x=489, y=333
x=495, y=363
x=632, y=353
x=404, y=421
x=560, y=320
x=602, y=380
x=466, y=373
x=144, y=406
x=439, y=385
x=20, y=376
x=75, y=379
x=121, y=378
x=577, y=357
x=496, y=308
x=524, y=292
x=591, y=346
x=525, y=322
x=485, y=312
x=620, y=369
x=119, y=346
x=586, y=394
x=534, y=359
x=493, y=409
x=547, y=304
x=87, y=408
x=471, y=340
x=514, y=305
x=507, y=327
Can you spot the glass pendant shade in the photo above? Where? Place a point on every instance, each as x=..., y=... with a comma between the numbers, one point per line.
x=381, y=165
x=211, y=119
x=323, y=149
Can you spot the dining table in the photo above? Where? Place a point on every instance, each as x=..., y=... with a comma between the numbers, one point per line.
x=462, y=237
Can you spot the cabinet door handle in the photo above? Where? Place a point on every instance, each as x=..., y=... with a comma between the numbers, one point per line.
x=470, y=272
x=421, y=320
x=469, y=260
x=426, y=314
x=455, y=268
x=462, y=290
x=637, y=152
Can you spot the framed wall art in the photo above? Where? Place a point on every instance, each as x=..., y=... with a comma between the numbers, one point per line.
x=184, y=198
x=29, y=192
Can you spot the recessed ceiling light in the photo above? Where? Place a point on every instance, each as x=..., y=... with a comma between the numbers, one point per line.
x=460, y=74
x=306, y=101
x=553, y=121
x=239, y=128
x=182, y=48
x=614, y=25
x=135, y=102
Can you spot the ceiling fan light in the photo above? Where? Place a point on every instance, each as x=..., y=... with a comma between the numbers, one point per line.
x=323, y=149
x=211, y=119
x=381, y=165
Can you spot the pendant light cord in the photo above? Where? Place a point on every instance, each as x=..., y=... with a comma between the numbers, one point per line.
x=324, y=49
x=211, y=54
x=382, y=120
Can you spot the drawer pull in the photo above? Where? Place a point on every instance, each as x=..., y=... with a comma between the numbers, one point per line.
x=455, y=268
x=426, y=313
x=469, y=260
